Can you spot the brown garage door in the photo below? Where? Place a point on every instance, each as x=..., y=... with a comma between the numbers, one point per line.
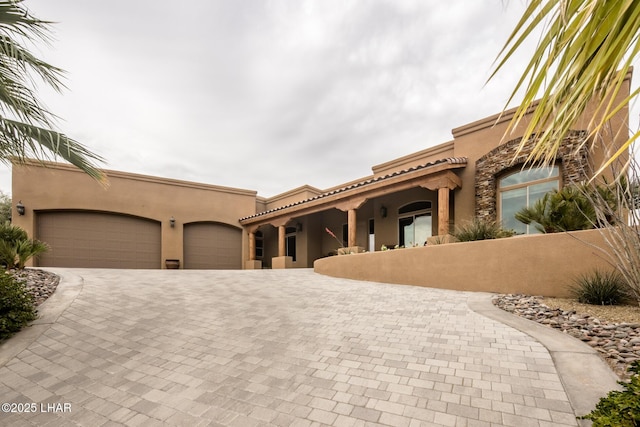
x=98, y=240
x=209, y=245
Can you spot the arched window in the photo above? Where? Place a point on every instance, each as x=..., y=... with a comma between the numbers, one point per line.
x=414, y=223
x=522, y=189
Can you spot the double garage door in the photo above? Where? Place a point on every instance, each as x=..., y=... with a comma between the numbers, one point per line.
x=98, y=240
x=106, y=240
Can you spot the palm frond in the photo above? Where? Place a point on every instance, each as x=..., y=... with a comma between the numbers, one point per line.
x=584, y=54
x=25, y=124
x=20, y=141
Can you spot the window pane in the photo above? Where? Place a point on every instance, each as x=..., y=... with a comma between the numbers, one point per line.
x=529, y=175
x=406, y=231
x=511, y=202
x=537, y=191
x=415, y=206
x=422, y=228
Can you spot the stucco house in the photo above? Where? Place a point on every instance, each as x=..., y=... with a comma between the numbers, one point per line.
x=142, y=221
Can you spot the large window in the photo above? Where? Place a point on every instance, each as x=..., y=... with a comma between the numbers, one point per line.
x=414, y=223
x=522, y=189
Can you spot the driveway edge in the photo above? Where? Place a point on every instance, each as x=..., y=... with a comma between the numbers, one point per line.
x=68, y=289
x=585, y=376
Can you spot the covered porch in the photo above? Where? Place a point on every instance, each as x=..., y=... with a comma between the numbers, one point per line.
x=398, y=209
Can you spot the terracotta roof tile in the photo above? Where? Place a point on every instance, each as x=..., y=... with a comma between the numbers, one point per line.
x=449, y=160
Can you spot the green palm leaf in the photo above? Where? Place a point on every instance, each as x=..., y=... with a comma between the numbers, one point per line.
x=584, y=54
x=25, y=125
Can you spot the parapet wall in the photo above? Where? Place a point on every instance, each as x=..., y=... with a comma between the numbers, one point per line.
x=534, y=264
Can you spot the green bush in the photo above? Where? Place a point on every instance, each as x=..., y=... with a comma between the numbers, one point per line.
x=480, y=229
x=600, y=288
x=566, y=210
x=16, y=248
x=16, y=305
x=619, y=408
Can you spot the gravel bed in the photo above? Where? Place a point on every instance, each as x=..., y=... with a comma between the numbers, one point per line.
x=617, y=342
x=41, y=284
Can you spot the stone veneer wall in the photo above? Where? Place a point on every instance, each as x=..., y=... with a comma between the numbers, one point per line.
x=573, y=159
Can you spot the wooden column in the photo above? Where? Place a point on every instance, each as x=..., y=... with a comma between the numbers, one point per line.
x=443, y=211
x=252, y=246
x=282, y=249
x=351, y=218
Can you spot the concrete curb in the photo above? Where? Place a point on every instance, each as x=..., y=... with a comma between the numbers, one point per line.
x=585, y=376
x=49, y=311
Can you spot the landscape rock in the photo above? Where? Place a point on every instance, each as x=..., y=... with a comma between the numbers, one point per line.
x=41, y=284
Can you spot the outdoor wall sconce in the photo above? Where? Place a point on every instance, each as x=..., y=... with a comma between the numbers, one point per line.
x=383, y=211
x=20, y=208
x=172, y=222
x=299, y=226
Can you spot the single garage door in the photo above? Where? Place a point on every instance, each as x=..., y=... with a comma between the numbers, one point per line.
x=210, y=245
x=98, y=240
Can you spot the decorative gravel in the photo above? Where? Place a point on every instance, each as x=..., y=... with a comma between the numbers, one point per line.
x=617, y=343
x=41, y=284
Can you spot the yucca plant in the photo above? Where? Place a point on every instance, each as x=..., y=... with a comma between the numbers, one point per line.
x=481, y=229
x=600, y=288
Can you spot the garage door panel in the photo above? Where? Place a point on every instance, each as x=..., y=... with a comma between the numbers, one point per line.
x=98, y=240
x=212, y=246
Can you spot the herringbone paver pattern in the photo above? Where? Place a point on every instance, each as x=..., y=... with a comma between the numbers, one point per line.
x=281, y=348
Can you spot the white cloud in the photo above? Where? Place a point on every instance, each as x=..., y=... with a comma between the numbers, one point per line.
x=272, y=94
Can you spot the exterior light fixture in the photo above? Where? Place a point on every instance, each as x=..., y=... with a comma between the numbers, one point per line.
x=20, y=208
x=299, y=226
x=383, y=211
x=172, y=221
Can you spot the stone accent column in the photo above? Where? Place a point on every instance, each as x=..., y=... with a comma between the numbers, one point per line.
x=443, y=211
x=351, y=220
x=252, y=246
x=282, y=249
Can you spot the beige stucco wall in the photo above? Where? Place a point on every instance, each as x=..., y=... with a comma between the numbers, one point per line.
x=534, y=264
x=60, y=186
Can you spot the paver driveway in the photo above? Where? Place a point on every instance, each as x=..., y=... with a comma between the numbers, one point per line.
x=282, y=348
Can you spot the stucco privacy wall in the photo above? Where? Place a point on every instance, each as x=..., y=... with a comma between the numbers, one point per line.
x=542, y=264
x=62, y=187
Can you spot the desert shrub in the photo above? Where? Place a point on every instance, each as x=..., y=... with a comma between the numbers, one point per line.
x=566, y=210
x=600, y=288
x=480, y=229
x=16, y=248
x=16, y=306
x=619, y=408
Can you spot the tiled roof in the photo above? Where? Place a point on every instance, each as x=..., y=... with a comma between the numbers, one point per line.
x=448, y=160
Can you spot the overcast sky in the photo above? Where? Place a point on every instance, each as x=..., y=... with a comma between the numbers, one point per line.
x=269, y=95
